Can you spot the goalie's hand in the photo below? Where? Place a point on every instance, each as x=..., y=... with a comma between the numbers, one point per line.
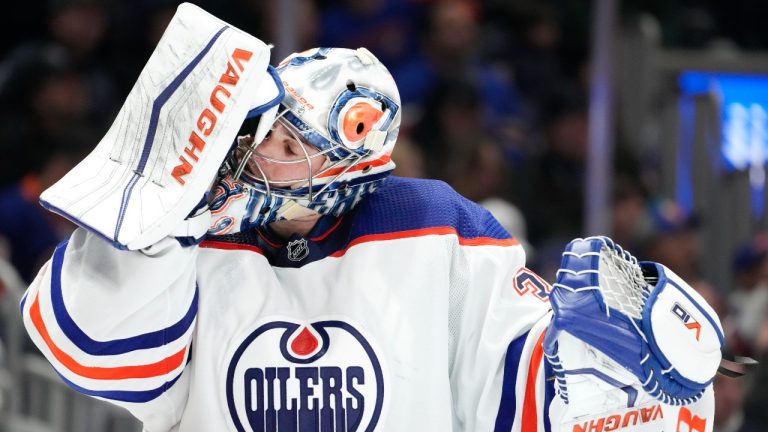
x=640, y=316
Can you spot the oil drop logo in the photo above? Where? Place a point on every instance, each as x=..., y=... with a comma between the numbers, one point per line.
x=322, y=376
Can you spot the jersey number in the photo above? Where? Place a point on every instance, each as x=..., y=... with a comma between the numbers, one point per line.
x=528, y=282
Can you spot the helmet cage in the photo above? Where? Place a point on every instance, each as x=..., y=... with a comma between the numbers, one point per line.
x=314, y=183
x=355, y=132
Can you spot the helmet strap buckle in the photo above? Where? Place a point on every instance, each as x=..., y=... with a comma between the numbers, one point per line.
x=374, y=140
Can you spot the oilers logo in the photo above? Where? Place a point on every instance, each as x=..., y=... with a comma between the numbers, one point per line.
x=323, y=377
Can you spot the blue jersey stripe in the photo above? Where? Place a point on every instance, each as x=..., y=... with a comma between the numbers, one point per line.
x=508, y=405
x=402, y=204
x=140, y=396
x=399, y=205
x=23, y=302
x=117, y=346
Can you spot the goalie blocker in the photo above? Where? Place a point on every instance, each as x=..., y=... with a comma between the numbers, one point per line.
x=639, y=316
x=164, y=149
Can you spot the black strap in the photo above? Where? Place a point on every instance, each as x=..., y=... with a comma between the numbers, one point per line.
x=736, y=366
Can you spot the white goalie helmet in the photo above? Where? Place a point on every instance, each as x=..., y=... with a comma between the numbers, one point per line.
x=343, y=106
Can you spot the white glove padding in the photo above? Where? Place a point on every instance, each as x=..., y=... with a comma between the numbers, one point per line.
x=696, y=417
x=606, y=400
x=589, y=382
x=639, y=315
x=194, y=228
x=173, y=132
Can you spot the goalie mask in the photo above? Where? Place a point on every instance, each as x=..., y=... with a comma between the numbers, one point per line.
x=336, y=126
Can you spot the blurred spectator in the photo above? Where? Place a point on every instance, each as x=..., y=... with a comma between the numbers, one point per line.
x=386, y=27
x=512, y=219
x=31, y=233
x=28, y=19
x=133, y=37
x=456, y=144
x=630, y=222
x=553, y=193
x=451, y=51
x=305, y=12
x=79, y=27
x=756, y=400
x=673, y=239
x=408, y=158
x=40, y=96
x=749, y=300
x=158, y=18
x=712, y=295
x=526, y=35
x=11, y=290
x=729, y=399
x=3, y=287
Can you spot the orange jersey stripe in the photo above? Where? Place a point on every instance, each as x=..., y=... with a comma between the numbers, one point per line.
x=374, y=163
x=266, y=240
x=330, y=230
x=530, y=417
x=478, y=241
x=159, y=368
x=212, y=244
x=487, y=241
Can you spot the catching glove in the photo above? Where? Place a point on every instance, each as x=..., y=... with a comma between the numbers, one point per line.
x=646, y=328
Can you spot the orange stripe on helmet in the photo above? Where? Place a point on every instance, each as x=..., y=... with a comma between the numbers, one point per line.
x=360, y=166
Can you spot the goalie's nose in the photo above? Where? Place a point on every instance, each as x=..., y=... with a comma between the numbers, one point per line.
x=284, y=158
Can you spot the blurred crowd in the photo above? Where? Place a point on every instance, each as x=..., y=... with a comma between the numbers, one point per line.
x=495, y=103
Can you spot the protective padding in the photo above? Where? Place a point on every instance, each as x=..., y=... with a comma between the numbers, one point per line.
x=175, y=129
x=641, y=315
x=684, y=333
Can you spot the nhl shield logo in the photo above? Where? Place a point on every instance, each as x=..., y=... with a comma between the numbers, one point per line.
x=297, y=249
x=291, y=377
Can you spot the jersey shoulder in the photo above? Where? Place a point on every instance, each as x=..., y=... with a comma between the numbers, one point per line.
x=405, y=204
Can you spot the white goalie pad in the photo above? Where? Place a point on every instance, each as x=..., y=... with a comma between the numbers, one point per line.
x=604, y=396
x=176, y=127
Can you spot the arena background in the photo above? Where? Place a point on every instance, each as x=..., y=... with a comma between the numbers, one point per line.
x=644, y=120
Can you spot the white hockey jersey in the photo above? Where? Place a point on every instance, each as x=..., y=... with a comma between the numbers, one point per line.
x=412, y=312
x=401, y=315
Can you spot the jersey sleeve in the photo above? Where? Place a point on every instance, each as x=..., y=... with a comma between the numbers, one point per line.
x=499, y=311
x=118, y=325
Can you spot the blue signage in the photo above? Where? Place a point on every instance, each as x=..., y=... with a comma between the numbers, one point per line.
x=743, y=114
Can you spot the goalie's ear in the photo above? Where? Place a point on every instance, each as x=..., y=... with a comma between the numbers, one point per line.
x=683, y=331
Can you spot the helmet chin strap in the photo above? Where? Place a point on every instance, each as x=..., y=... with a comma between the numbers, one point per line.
x=292, y=210
x=374, y=141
